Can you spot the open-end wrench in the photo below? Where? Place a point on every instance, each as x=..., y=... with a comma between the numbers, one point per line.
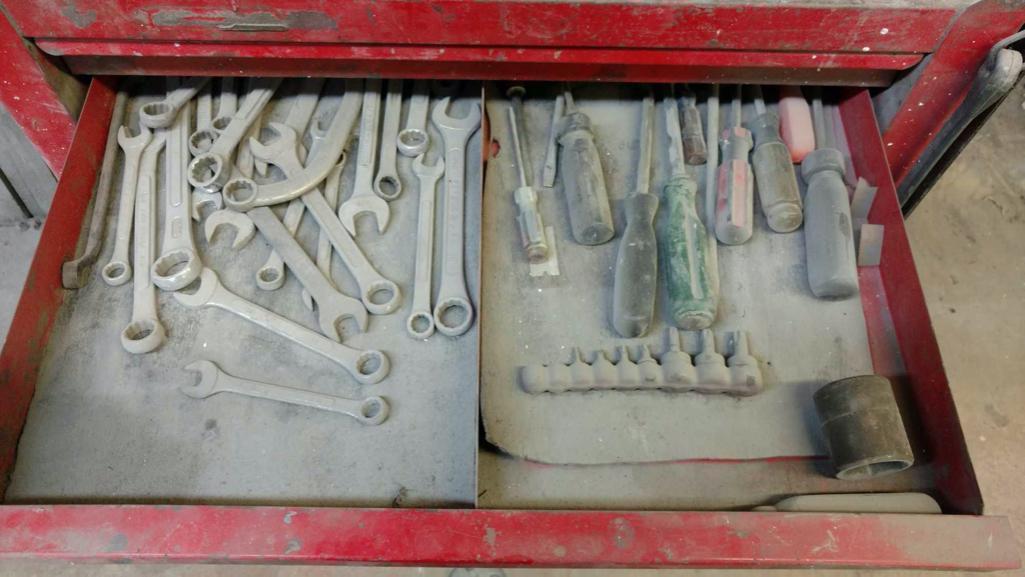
x=420, y=323
x=271, y=276
x=162, y=113
x=119, y=270
x=379, y=295
x=144, y=333
x=179, y=263
x=227, y=104
x=452, y=295
x=331, y=187
x=202, y=199
x=240, y=221
x=413, y=140
x=212, y=380
x=366, y=366
x=210, y=170
x=332, y=306
x=317, y=167
x=363, y=199
x=387, y=183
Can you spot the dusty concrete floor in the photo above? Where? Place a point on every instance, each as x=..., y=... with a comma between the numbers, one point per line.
x=967, y=237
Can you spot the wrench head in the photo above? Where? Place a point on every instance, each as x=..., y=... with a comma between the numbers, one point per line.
x=412, y=141
x=453, y=316
x=142, y=336
x=209, y=171
x=129, y=142
x=372, y=366
x=281, y=151
x=335, y=310
x=449, y=124
x=202, y=199
x=427, y=173
x=208, y=374
x=373, y=411
x=176, y=269
x=240, y=194
x=208, y=285
x=243, y=225
x=159, y=114
x=357, y=205
x=202, y=140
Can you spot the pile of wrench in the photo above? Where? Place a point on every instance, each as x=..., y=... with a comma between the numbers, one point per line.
x=224, y=164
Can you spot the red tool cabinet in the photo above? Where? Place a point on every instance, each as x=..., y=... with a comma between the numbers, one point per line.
x=829, y=43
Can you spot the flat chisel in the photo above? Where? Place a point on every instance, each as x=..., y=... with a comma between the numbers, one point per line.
x=636, y=278
x=683, y=240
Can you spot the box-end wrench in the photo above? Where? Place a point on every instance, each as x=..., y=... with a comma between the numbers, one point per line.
x=210, y=170
x=413, y=140
x=332, y=306
x=387, y=183
x=161, y=114
x=420, y=323
x=317, y=167
x=452, y=295
x=75, y=273
x=179, y=263
x=144, y=333
x=379, y=295
x=119, y=270
x=366, y=366
x=363, y=199
x=212, y=380
x=271, y=276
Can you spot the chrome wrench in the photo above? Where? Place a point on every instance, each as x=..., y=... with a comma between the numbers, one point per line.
x=387, y=183
x=420, y=323
x=452, y=295
x=379, y=295
x=210, y=170
x=161, y=114
x=212, y=380
x=363, y=199
x=413, y=140
x=366, y=366
x=144, y=333
x=332, y=306
x=119, y=270
x=179, y=263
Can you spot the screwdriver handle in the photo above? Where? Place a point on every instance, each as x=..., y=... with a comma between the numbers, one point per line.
x=583, y=181
x=635, y=282
x=734, y=207
x=532, y=230
x=775, y=176
x=685, y=258
x=828, y=235
x=693, y=135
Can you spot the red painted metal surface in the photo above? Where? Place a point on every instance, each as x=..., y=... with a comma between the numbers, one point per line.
x=403, y=61
x=934, y=404
x=31, y=99
x=752, y=25
x=504, y=538
x=43, y=294
x=946, y=78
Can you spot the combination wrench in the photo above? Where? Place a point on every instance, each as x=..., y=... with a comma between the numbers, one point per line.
x=420, y=323
x=317, y=167
x=119, y=270
x=227, y=104
x=212, y=380
x=366, y=366
x=144, y=333
x=453, y=313
x=363, y=199
x=332, y=306
x=379, y=295
x=179, y=262
x=331, y=189
x=202, y=199
x=161, y=114
x=387, y=183
x=413, y=140
x=240, y=221
x=210, y=170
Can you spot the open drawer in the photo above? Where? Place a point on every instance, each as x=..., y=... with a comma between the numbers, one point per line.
x=514, y=522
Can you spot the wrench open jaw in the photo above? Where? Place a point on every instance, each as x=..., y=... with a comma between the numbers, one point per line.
x=243, y=225
x=360, y=204
x=366, y=366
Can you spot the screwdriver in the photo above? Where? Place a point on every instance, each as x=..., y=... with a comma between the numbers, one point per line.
x=774, y=171
x=683, y=239
x=828, y=238
x=635, y=281
x=693, y=137
x=532, y=231
x=734, y=206
x=583, y=180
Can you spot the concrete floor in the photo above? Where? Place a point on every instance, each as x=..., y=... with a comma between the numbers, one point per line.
x=967, y=236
